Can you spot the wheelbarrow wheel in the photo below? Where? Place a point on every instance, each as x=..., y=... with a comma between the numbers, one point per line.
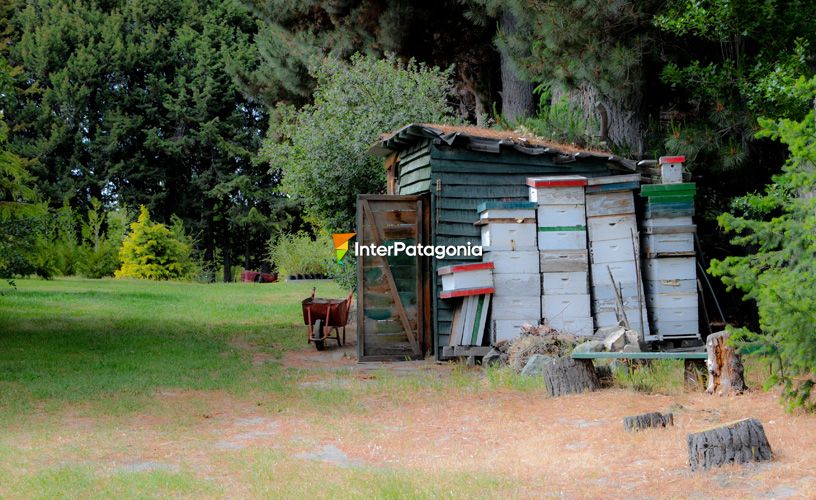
x=318, y=334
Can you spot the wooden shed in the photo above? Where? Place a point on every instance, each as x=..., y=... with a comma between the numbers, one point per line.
x=450, y=170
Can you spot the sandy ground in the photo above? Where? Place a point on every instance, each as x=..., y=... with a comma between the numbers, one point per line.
x=572, y=446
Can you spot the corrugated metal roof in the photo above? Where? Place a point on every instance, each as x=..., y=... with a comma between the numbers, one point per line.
x=488, y=141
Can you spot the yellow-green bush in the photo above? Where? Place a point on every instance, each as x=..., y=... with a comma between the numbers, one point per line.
x=153, y=251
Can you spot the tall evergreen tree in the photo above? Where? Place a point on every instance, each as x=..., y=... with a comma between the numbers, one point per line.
x=135, y=102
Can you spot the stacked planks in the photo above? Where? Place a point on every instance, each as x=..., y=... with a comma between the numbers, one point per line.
x=668, y=246
x=473, y=284
x=562, y=252
x=508, y=238
x=617, y=288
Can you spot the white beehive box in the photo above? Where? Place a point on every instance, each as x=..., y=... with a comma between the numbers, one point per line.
x=506, y=210
x=670, y=286
x=561, y=215
x=563, y=260
x=611, y=305
x=574, y=326
x=677, y=329
x=561, y=240
x=611, y=227
x=606, y=319
x=557, y=190
x=619, y=202
x=517, y=285
x=509, y=236
x=674, y=314
x=565, y=306
x=668, y=221
x=565, y=283
x=668, y=268
x=606, y=292
x=513, y=262
x=622, y=272
x=466, y=276
x=607, y=251
x=671, y=169
x=516, y=308
x=668, y=243
x=508, y=329
x=672, y=300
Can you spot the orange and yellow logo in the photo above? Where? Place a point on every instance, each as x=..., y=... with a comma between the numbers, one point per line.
x=341, y=244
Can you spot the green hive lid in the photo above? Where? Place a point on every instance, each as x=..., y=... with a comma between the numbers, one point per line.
x=668, y=189
x=506, y=205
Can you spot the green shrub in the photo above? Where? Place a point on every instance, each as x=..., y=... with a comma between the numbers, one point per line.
x=300, y=254
x=153, y=251
x=100, y=248
x=778, y=230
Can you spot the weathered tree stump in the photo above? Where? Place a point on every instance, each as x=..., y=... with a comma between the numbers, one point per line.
x=739, y=442
x=570, y=376
x=725, y=372
x=647, y=420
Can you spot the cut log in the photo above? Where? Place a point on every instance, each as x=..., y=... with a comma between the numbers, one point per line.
x=647, y=420
x=739, y=442
x=570, y=376
x=725, y=372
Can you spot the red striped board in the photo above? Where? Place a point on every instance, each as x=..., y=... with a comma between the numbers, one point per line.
x=468, y=292
x=462, y=268
x=557, y=181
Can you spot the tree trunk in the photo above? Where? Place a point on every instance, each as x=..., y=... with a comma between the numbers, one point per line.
x=227, y=265
x=516, y=93
x=570, y=376
x=654, y=419
x=725, y=372
x=739, y=442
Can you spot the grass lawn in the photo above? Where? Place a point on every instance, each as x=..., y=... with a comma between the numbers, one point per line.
x=118, y=388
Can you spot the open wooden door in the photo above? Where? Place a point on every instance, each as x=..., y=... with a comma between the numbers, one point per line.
x=393, y=299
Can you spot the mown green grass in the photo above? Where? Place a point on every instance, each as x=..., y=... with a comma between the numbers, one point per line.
x=116, y=342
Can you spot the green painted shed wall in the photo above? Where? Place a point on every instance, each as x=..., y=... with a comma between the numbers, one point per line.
x=459, y=180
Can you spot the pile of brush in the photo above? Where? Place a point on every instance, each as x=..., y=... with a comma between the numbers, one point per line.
x=534, y=339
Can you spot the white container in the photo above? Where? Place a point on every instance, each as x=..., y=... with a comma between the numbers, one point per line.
x=507, y=213
x=557, y=195
x=670, y=286
x=519, y=285
x=563, y=260
x=510, y=236
x=615, y=203
x=606, y=251
x=670, y=268
x=668, y=221
x=671, y=173
x=561, y=215
x=611, y=227
x=672, y=314
x=607, y=292
x=565, y=306
x=466, y=276
x=574, y=326
x=561, y=240
x=607, y=319
x=611, y=305
x=622, y=273
x=673, y=243
x=515, y=308
x=565, y=283
x=677, y=329
x=509, y=329
x=672, y=300
x=513, y=262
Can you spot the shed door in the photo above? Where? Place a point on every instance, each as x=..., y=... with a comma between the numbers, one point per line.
x=393, y=298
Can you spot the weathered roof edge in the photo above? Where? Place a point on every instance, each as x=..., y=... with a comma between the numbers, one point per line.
x=470, y=139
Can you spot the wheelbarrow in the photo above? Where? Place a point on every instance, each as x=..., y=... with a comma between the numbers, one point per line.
x=324, y=317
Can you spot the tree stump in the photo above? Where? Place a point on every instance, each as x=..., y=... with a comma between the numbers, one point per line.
x=570, y=376
x=647, y=420
x=725, y=372
x=739, y=442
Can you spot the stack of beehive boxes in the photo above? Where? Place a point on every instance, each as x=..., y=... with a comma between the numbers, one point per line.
x=509, y=243
x=562, y=251
x=670, y=267
x=473, y=283
x=617, y=288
